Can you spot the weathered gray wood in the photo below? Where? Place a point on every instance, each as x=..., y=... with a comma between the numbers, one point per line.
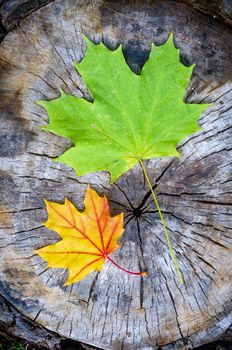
x=218, y=9
x=13, y=11
x=112, y=310
x=12, y=321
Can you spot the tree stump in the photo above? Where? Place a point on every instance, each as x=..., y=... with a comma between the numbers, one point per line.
x=112, y=310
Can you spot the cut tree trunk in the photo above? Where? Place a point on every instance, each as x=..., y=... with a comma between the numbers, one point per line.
x=112, y=310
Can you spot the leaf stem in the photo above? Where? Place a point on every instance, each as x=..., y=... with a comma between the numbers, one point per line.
x=127, y=271
x=163, y=223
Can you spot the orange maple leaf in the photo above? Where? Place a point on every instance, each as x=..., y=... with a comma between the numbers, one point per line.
x=88, y=237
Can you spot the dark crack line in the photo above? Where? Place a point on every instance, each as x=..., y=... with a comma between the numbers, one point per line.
x=121, y=204
x=131, y=217
x=121, y=190
x=148, y=194
x=92, y=287
x=210, y=239
x=174, y=306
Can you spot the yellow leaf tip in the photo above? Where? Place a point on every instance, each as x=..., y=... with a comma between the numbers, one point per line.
x=67, y=284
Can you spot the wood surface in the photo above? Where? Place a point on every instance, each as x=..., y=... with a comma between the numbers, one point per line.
x=15, y=326
x=112, y=310
x=12, y=11
x=218, y=9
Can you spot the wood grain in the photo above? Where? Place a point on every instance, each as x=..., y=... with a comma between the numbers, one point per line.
x=218, y=9
x=12, y=12
x=111, y=310
x=20, y=327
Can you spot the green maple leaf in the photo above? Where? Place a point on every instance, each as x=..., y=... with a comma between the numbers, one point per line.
x=133, y=117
